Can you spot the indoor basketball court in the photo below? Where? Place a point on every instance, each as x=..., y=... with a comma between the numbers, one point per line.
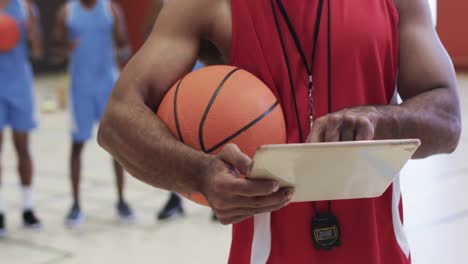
x=99, y=219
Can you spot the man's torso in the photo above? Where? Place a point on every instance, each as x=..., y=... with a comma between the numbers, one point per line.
x=364, y=61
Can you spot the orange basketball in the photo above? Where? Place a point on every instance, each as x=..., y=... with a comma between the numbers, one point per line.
x=217, y=105
x=9, y=33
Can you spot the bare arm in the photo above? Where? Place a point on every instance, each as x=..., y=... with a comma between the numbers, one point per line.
x=120, y=29
x=62, y=45
x=34, y=32
x=168, y=54
x=136, y=137
x=121, y=35
x=427, y=85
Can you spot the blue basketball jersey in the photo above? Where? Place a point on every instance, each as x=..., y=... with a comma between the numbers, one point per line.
x=17, y=106
x=15, y=69
x=93, y=65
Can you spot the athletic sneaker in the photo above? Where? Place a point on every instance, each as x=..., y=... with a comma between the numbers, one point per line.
x=74, y=218
x=30, y=220
x=2, y=226
x=173, y=208
x=124, y=212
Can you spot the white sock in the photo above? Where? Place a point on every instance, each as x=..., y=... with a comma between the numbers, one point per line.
x=26, y=194
x=2, y=205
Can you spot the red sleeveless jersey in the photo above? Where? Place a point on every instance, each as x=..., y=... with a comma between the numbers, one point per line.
x=364, y=62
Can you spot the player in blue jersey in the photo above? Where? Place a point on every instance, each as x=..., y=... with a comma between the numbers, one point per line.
x=17, y=106
x=93, y=34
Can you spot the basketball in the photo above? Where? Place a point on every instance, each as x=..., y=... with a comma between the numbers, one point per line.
x=9, y=32
x=217, y=105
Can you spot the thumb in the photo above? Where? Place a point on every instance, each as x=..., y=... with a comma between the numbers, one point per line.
x=234, y=156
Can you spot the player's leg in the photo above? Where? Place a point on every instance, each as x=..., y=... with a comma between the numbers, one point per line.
x=119, y=180
x=25, y=170
x=124, y=212
x=21, y=115
x=82, y=116
x=172, y=208
x=2, y=203
x=75, y=216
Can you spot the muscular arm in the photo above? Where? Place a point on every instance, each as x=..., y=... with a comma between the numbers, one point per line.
x=427, y=85
x=138, y=139
x=430, y=110
x=130, y=130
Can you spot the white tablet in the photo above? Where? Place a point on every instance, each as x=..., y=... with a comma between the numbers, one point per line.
x=333, y=171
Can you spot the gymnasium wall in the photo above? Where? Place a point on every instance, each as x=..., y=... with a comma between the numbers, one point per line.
x=452, y=28
x=452, y=20
x=135, y=13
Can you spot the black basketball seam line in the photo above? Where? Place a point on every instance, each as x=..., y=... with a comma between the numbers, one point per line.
x=176, y=117
x=208, y=107
x=240, y=131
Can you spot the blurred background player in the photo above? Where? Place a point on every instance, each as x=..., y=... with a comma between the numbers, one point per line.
x=208, y=55
x=17, y=107
x=92, y=32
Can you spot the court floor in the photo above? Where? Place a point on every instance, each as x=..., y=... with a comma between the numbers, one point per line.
x=435, y=200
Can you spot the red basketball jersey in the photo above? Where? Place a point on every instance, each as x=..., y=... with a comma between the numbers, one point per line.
x=364, y=62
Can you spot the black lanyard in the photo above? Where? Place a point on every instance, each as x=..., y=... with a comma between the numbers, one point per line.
x=301, y=52
x=296, y=38
x=325, y=227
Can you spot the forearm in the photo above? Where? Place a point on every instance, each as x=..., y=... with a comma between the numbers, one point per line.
x=134, y=135
x=36, y=49
x=433, y=117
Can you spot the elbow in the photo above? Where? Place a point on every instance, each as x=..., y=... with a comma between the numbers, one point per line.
x=453, y=135
x=443, y=140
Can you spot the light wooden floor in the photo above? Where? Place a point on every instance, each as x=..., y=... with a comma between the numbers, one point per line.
x=435, y=199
